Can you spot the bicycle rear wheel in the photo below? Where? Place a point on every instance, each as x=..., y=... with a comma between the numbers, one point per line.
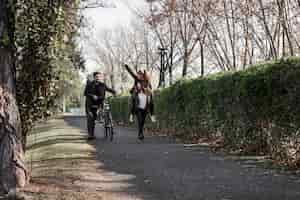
x=106, y=131
x=109, y=132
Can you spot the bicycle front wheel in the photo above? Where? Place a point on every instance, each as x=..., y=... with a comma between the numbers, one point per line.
x=111, y=134
x=106, y=131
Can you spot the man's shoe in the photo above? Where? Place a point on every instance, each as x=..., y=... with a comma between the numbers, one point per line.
x=131, y=118
x=91, y=137
x=153, y=118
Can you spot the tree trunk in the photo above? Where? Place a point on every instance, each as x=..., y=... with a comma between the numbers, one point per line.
x=230, y=31
x=13, y=173
x=185, y=62
x=161, y=83
x=171, y=53
x=268, y=32
x=170, y=66
x=286, y=28
x=112, y=76
x=202, y=58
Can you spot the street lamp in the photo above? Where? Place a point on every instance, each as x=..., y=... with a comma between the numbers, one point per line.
x=163, y=65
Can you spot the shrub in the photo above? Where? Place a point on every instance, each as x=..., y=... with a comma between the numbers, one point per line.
x=256, y=110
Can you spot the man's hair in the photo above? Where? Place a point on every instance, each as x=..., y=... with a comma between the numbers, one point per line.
x=96, y=73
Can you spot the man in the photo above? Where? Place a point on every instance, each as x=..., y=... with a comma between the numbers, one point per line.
x=95, y=95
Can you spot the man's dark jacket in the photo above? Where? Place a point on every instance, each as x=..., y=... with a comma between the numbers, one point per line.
x=95, y=93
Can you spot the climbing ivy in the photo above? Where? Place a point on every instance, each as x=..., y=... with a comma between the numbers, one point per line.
x=48, y=57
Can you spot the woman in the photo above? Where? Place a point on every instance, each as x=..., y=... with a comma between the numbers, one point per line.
x=141, y=108
x=143, y=79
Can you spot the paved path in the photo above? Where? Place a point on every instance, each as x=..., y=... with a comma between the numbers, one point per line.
x=160, y=169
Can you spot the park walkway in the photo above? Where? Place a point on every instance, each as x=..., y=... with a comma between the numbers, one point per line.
x=66, y=166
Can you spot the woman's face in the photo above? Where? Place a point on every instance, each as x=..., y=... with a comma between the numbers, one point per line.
x=140, y=75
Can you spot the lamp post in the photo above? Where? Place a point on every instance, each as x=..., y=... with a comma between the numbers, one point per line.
x=163, y=66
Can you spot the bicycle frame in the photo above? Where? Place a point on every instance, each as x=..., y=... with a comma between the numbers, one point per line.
x=105, y=114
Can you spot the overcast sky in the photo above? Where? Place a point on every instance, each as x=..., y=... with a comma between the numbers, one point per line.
x=108, y=18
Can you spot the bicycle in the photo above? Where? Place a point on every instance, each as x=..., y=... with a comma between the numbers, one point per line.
x=105, y=117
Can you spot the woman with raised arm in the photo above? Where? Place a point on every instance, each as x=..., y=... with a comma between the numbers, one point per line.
x=141, y=83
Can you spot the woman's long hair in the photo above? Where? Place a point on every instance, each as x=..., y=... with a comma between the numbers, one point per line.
x=147, y=77
x=146, y=82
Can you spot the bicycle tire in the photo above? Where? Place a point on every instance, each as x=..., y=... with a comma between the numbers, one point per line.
x=110, y=127
x=105, y=133
x=111, y=131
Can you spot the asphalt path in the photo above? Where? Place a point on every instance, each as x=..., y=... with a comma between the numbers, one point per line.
x=161, y=169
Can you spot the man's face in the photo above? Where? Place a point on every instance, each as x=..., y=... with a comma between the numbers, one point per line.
x=99, y=77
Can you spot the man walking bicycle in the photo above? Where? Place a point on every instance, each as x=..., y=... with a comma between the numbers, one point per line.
x=95, y=94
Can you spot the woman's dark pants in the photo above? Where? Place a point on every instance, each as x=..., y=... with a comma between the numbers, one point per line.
x=141, y=117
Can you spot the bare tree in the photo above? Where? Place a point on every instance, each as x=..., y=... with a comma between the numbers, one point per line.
x=163, y=22
x=204, y=36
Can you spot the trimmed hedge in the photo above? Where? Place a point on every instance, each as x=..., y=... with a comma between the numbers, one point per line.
x=256, y=110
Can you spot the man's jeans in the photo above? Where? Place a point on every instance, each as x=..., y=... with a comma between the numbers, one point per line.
x=91, y=117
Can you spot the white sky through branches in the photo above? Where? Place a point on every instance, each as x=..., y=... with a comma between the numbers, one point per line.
x=107, y=18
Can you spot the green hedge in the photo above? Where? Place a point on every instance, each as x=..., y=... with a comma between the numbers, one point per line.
x=257, y=110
